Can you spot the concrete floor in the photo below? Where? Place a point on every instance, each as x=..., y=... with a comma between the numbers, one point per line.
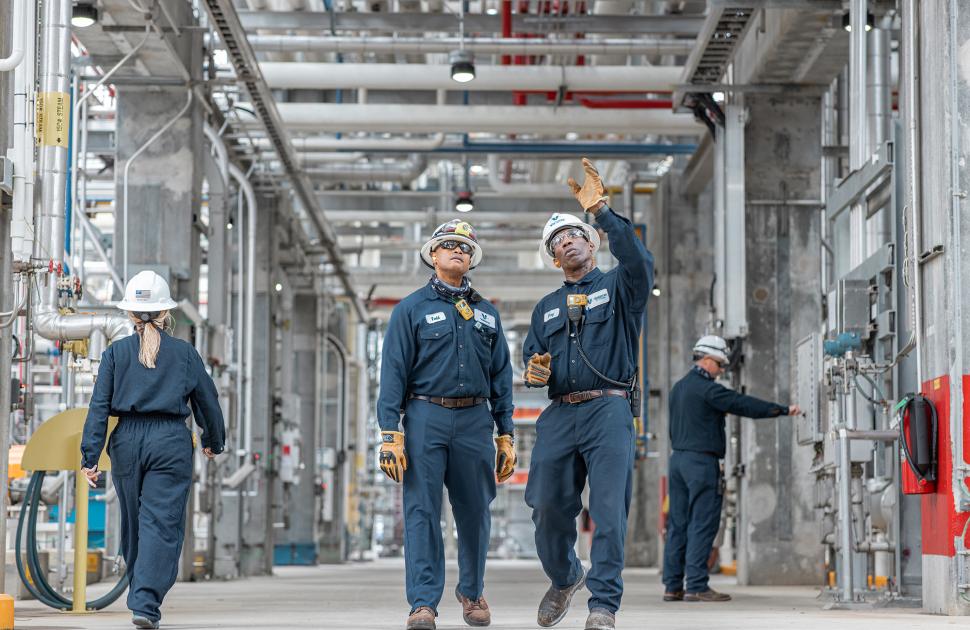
x=370, y=596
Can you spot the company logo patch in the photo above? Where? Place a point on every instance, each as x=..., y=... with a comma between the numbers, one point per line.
x=143, y=295
x=553, y=314
x=434, y=318
x=484, y=318
x=463, y=229
x=600, y=297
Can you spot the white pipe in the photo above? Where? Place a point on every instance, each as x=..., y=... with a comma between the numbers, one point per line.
x=401, y=171
x=376, y=76
x=482, y=118
x=22, y=227
x=909, y=88
x=50, y=324
x=475, y=45
x=330, y=143
x=523, y=190
x=250, y=196
x=318, y=157
x=131, y=160
x=17, y=49
x=222, y=154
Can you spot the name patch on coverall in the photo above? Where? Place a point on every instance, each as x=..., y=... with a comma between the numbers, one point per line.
x=485, y=318
x=553, y=314
x=600, y=297
x=435, y=317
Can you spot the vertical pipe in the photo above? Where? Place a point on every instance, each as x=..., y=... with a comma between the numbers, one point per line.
x=80, y=542
x=23, y=142
x=252, y=211
x=878, y=91
x=7, y=299
x=857, y=124
x=845, y=512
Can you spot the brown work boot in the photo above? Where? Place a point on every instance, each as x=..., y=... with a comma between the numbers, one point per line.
x=555, y=603
x=710, y=595
x=474, y=612
x=676, y=596
x=421, y=619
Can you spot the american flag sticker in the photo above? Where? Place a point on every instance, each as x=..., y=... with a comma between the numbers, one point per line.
x=143, y=295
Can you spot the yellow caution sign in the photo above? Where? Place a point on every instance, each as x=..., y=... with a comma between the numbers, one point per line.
x=52, y=119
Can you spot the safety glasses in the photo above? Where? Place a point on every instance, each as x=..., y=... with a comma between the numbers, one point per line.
x=464, y=247
x=563, y=235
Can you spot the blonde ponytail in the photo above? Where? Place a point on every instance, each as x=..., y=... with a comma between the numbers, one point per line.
x=150, y=337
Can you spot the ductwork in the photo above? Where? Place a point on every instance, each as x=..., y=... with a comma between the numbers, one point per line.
x=481, y=118
x=402, y=172
x=373, y=76
x=474, y=45
x=50, y=324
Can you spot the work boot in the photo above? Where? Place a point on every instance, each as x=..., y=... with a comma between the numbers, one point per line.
x=474, y=612
x=140, y=621
x=710, y=595
x=675, y=596
x=555, y=603
x=600, y=619
x=421, y=619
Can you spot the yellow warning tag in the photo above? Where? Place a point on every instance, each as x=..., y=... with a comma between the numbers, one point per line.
x=195, y=440
x=936, y=383
x=52, y=119
x=464, y=309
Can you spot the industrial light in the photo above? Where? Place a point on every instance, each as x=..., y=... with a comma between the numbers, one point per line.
x=656, y=291
x=718, y=97
x=229, y=225
x=462, y=66
x=491, y=11
x=847, y=21
x=83, y=15
x=464, y=201
x=278, y=287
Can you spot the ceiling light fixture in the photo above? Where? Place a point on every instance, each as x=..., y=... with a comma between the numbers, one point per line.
x=847, y=21
x=462, y=63
x=464, y=201
x=83, y=14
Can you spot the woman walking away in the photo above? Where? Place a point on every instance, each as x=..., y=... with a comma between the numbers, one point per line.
x=148, y=380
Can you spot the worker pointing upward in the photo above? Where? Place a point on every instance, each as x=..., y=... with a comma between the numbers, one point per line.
x=444, y=357
x=584, y=344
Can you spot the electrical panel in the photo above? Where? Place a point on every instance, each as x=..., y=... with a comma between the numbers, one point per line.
x=807, y=381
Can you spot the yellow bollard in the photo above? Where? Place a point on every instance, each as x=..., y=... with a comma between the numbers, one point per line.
x=6, y=612
x=80, y=543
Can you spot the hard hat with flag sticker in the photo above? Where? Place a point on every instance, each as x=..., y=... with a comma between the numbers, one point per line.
x=559, y=222
x=712, y=346
x=454, y=230
x=147, y=292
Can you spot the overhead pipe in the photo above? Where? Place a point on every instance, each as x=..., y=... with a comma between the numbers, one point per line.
x=481, y=118
x=605, y=103
x=252, y=211
x=17, y=48
x=523, y=190
x=374, y=76
x=402, y=172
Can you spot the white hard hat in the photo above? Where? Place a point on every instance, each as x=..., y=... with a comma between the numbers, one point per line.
x=714, y=347
x=454, y=230
x=147, y=292
x=559, y=222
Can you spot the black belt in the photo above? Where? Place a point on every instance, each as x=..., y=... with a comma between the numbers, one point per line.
x=450, y=403
x=581, y=397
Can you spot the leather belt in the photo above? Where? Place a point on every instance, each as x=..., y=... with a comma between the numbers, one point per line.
x=581, y=397
x=449, y=403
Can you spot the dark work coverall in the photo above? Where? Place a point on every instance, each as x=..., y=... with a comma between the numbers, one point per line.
x=151, y=454
x=697, y=408
x=593, y=439
x=431, y=350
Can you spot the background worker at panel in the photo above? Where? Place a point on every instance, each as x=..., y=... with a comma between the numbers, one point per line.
x=698, y=404
x=148, y=380
x=444, y=357
x=584, y=343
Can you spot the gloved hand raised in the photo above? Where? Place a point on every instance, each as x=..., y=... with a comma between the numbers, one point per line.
x=538, y=371
x=592, y=192
x=393, y=459
x=505, y=458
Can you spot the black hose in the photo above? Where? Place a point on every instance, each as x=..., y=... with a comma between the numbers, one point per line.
x=41, y=589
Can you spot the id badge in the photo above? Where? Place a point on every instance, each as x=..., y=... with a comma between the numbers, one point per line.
x=464, y=309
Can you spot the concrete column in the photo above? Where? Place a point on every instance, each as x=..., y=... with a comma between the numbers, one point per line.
x=944, y=99
x=778, y=535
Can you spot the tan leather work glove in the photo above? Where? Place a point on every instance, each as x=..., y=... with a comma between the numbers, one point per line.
x=393, y=459
x=592, y=192
x=539, y=370
x=505, y=459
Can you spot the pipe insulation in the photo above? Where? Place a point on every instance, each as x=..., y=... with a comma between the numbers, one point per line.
x=482, y=118
x=400, y=171
x=474, y=45
x=389, y=76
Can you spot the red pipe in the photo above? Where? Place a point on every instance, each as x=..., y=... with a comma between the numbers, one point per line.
x=506, y=27
x=604, y=103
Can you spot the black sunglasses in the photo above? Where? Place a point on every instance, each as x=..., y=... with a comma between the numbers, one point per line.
x=464, y=247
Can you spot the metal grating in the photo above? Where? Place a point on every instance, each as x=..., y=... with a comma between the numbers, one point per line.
x=225, y=21
x=721, y=42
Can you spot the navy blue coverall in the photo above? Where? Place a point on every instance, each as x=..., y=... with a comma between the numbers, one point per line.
x=151, y=454
x=593, y=439
x=431, y=350
x=697, y=407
